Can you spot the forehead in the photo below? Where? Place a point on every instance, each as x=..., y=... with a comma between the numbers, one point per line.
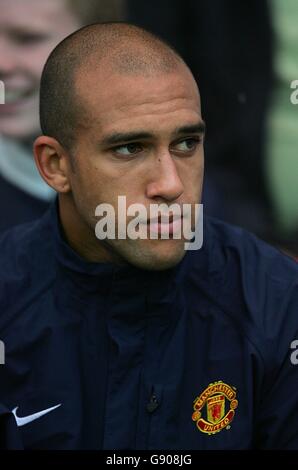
x=127, y=100
x=33, y=14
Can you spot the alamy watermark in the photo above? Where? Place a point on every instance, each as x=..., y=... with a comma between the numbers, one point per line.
x=294, y=94
x=158, y=222
x=2, y=93
x=2, y=353
x=294, y=354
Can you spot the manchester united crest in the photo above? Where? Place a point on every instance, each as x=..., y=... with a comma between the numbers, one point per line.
x=215, y=408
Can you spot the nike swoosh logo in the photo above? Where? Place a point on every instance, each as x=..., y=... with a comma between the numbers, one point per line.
x=28, y=419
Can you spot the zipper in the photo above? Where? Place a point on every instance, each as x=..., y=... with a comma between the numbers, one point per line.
x=153, y=402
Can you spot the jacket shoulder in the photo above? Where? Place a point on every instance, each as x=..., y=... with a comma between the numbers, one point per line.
x=26, y=259
x=253, y=284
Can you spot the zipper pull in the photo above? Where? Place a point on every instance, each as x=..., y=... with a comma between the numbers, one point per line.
x=153, y=403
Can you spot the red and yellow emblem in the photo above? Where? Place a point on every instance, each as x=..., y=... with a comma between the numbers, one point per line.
x=210, y=408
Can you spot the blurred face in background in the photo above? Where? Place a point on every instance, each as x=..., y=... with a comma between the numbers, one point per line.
x=29, y=30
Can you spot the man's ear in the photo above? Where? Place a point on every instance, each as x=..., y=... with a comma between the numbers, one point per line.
x=52, y=162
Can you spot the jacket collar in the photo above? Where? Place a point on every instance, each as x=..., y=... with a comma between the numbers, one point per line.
x=128, y=279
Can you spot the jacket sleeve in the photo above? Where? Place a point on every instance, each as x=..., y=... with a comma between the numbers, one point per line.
x=277, y=410
x=10, y=438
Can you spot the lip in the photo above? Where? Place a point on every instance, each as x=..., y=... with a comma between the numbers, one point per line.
x=15, y=99
x=172, y=226
x=168, y=217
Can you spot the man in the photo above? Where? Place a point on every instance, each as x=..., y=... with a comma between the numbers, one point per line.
x=243, y=94
x=124, y=343
x=28, y=32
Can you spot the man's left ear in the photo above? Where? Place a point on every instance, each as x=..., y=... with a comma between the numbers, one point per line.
x=52, y=162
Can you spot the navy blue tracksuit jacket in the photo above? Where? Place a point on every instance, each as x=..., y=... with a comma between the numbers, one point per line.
x=103, y=357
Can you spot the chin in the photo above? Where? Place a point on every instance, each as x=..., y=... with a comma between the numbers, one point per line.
x=158, y=259
x=153, y=256
x=18, y=131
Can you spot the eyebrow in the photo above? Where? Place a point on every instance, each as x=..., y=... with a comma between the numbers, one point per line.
x=119, y=137
x=26, y=29
x=199, y=128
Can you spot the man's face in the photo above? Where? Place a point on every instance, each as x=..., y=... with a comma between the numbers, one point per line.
x=29, y=30
x=143, y=141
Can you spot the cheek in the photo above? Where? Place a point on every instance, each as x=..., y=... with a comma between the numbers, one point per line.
x=34, y=58
x=90, y=186
x=23, y=124
x=198, y=169
x=32, y=64
x=192, y=172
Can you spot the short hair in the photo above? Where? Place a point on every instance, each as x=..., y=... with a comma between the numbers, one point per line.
x=125, y=47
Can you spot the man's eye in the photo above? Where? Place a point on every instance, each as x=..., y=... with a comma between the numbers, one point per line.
x=187, y=145
x=29, y=38
x=128, y=149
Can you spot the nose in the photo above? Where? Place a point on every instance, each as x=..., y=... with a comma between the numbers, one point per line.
x=166, y=184
x=8, y=58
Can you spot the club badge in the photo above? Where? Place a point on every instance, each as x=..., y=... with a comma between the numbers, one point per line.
x=215, y=408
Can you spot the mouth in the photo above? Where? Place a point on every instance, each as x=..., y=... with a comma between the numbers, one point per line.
x=165, y=225
x=15, y=98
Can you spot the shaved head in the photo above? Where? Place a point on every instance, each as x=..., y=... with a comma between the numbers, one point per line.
x=117, y=48
x=121, y=115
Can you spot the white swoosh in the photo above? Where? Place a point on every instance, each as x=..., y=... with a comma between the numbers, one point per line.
x=28, y=419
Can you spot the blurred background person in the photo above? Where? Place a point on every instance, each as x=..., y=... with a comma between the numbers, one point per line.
x=29, y=30
x=245, y=57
